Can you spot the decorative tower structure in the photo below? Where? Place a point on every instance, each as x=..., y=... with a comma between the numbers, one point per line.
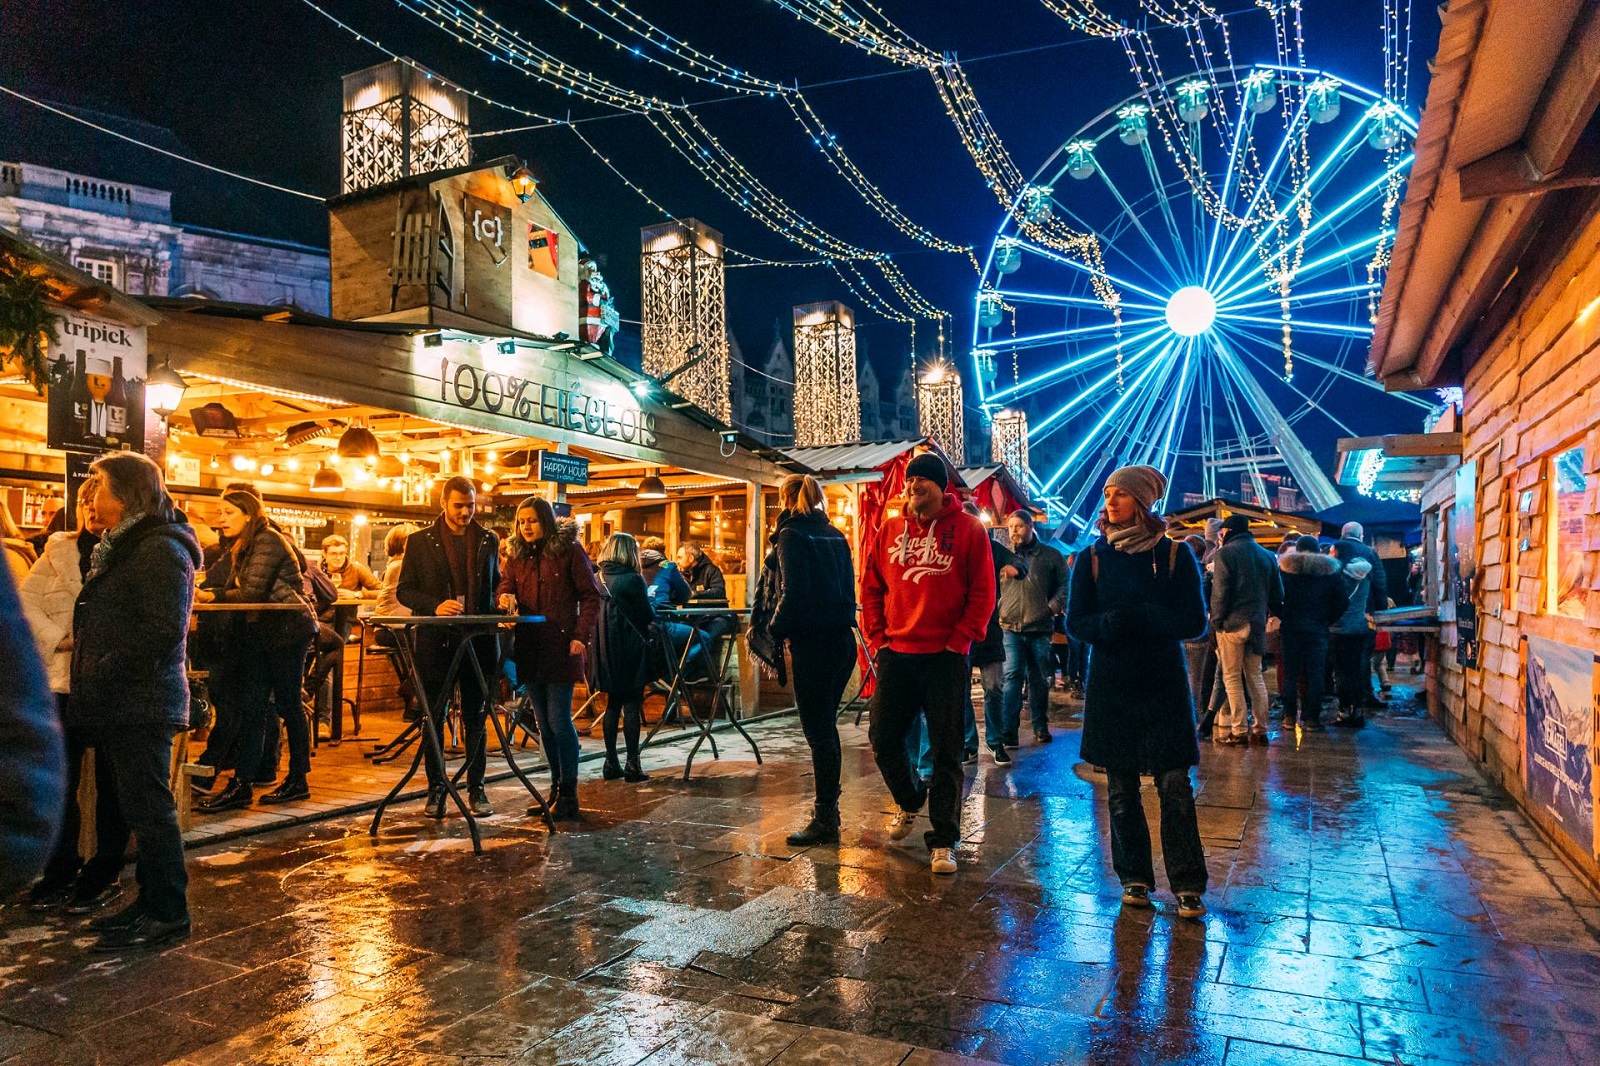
x=827, y=404
x=939, y=411
x=400, y=119
x=1008, y=443
x=685, y=331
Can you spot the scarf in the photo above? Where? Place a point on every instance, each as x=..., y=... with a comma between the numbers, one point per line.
x=102, y=551
x=1133, y=538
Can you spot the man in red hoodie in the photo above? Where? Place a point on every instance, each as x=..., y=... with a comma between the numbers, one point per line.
x=927, y=591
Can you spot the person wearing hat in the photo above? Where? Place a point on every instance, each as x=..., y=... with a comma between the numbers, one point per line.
x=927, y=591
x=1135, y=598
x=1245, y=589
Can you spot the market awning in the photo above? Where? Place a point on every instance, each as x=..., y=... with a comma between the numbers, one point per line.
x=1396, y=466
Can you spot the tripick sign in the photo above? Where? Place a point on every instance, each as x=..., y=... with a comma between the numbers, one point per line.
x=566, y=469
x=96, y=393
x=465, y=385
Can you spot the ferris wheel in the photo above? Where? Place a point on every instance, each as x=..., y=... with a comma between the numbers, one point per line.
x=1243, y=225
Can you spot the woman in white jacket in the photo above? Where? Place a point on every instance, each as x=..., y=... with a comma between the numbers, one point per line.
x=49, y=593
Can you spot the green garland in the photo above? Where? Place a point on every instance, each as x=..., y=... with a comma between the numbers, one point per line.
x=27, y=323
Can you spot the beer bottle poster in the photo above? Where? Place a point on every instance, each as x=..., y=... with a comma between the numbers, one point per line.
x=95, y=397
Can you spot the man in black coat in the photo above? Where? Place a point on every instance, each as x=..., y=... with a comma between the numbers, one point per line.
x=452, y=568
x=1245, y=589
x=130, y=685
x=1313, y=599
x=32, y=761
x=1352, y=545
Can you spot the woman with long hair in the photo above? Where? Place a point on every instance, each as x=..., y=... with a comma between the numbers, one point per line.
x=48, y=595
x=547, y=574
x=1135, y=599
x=270, y=647
x=806, y=599
x=622, y=653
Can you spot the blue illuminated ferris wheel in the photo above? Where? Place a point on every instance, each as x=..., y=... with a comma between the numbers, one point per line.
x=1244, y=223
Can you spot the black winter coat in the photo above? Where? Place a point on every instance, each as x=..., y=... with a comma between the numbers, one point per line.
x=817, y=583
x=622, y=640
x=32, y=761
x=705, y=580
x=425, y=579
x=130, y=629
x=1138, y=715
x=992, y=648
x=1313, y=595
x=268, y=570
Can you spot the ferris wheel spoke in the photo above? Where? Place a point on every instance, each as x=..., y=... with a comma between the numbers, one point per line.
x=1162, y=200
x=1137, y=224
x=1333, y=328
x=1086, y=477
x=1165, y=459
x=1246, y=441
x=1037, y=339
x=1362, y=197
x=1070, y=365
x=1089, y=394
x=1316, y=268
x=1311, y=403
x=1333, y=368
x=1295, y=455
x=1071, y=301
x=1299, y=299
x=1326, y=170
x=1067, y=260
x=1099, y=427
x=1268, y=180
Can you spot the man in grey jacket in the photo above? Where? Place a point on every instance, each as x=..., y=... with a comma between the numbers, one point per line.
x=1245, y=589
x=1352, y=545
x=1029, y=603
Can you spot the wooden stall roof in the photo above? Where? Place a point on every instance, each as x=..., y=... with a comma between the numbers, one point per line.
x=1411, y=460
x=371, y=364
x=859, y=461
x=1264, y=521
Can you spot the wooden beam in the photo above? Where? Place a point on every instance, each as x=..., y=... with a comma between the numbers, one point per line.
x=1514, y=172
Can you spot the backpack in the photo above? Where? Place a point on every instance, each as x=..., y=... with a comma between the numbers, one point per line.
x=319, y=588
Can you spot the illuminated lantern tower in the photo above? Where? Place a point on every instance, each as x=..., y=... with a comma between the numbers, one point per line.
x=400, y=119
x=939, y=410
x=685, y=332
x=827, y=403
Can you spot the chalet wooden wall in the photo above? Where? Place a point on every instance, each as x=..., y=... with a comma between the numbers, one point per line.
x=1535, y=392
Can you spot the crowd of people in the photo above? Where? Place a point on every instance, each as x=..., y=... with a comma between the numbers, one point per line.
x=1155, y=629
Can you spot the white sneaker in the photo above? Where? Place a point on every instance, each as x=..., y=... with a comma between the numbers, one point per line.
x=944, y=861
x=899, y=824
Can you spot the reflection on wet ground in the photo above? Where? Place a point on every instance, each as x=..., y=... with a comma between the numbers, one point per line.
x=1372, y=897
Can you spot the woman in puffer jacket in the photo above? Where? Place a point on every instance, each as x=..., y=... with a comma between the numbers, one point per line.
x=48, y=594
x=1349, y=642
x=271, y=650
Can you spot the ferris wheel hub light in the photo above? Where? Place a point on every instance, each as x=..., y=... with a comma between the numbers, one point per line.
x=1191, y=311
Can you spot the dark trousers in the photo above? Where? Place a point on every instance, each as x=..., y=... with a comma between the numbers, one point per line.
x=1369, y=651
x=1181, y=850
x=822, y=664
x=330, y=643
x=625, y=709
x=933, y=686
x=1302, y=655
x=433, y=656
x=268, y=691
x=110, y=828
x=141, y=761
x=1350, y=671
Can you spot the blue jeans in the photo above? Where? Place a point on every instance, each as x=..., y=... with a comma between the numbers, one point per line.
x=991, y=680
x=1030, y=652
x=557, y=735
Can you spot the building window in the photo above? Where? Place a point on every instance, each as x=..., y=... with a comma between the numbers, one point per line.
x=1567, y=580
x=100, y=269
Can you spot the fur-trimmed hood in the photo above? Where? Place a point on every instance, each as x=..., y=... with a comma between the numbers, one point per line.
x=565, y=540
x=1311, y=564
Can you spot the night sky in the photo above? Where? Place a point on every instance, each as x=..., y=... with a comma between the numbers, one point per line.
x=254, y=86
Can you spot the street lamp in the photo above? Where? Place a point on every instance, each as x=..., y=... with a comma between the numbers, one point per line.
x=164, y=389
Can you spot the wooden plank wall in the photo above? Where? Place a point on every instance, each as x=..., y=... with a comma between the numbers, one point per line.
x=1535, y=392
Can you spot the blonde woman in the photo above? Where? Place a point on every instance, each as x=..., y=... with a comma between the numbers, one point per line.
x=807, y=600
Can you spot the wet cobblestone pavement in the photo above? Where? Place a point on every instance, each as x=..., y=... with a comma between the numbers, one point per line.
x=1371, y=898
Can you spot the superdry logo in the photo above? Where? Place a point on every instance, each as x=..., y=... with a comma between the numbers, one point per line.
x=920, y=556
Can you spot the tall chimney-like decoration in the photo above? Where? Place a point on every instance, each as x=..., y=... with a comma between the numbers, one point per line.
x=827, y=400
x=685, y=313
x=401, y=119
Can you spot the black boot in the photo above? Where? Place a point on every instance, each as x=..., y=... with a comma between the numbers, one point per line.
x=236, y=796
x=822, y=829
x=551, y=799
x=632, y=772
x=567, y=804
x=609, y=769
x=293, y=788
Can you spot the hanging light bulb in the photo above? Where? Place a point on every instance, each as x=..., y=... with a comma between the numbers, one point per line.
x=327, y=479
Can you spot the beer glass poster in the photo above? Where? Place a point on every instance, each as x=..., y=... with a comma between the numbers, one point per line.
x=1558, y=680
x=96, y=390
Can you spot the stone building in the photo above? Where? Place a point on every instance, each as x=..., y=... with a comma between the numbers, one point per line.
x=1495, y=289
x=150, y=225
x=763, y=393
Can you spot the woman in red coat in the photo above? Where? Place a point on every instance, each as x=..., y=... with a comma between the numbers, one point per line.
x=546, y=573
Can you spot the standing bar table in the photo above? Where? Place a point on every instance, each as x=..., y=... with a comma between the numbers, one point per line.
x=467, y=627
x=695, y=617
